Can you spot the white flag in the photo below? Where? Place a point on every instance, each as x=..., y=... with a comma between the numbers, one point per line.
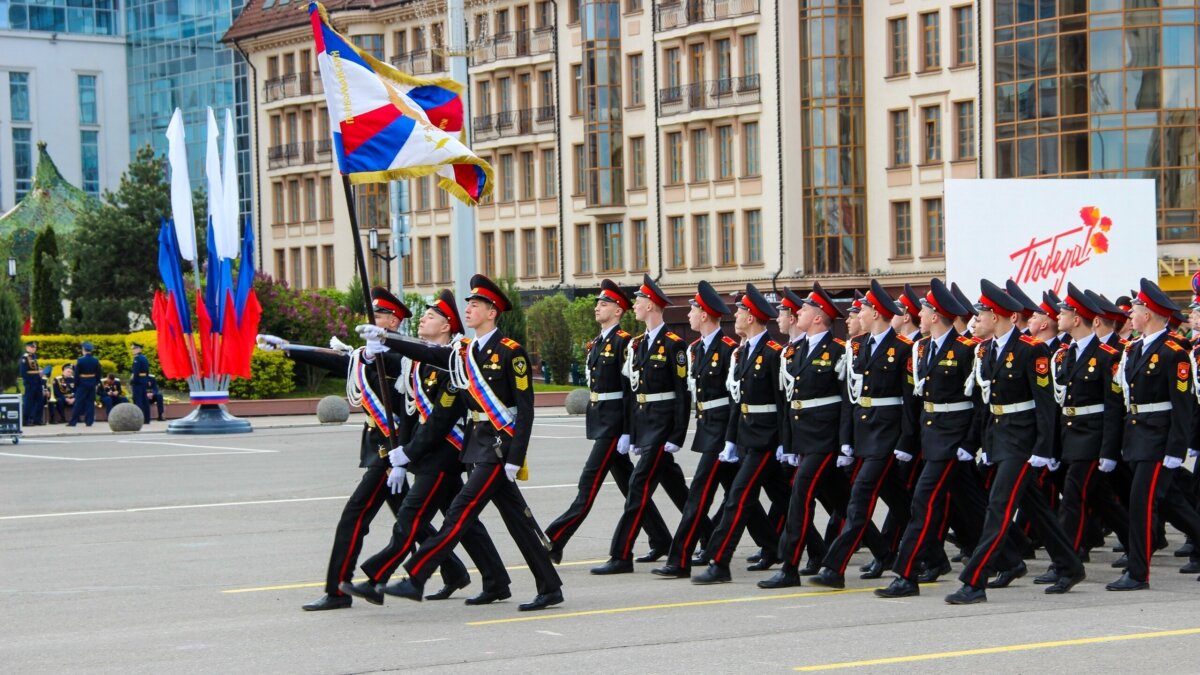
x=227, y=239
x=181, y=189
x=212, y=172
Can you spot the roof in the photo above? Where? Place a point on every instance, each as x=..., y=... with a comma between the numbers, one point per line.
x=262, y=17
x=52, y=201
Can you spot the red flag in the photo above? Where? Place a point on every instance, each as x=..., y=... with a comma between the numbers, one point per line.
x=231, y=342
x=172, y=348
x=206, y=336
x=248, y=330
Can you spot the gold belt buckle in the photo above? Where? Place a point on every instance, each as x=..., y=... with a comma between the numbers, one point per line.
x=928, y=407
x=594, y=396
x=997, y=409
x=641, y=398
x=1133, y=408
x=700, y=406
x=797, y=405
x=1069, y=411
x=865, y=401
x=745, y=409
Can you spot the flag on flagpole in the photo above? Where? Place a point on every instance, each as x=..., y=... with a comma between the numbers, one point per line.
x=388, y=125
x=227, y=238
x=181, y=189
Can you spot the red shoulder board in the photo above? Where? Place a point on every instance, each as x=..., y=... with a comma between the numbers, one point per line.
x=674, y=337
x=510, y=343
x=904, y=339
x=1030, y=340
x=1107, y=349
x=1128, y=344
x=774, y=345
x=1174, y=346
x=622, y=334
x=840, y=341
x=729, y=342
x=970, y=342
x=695, y=342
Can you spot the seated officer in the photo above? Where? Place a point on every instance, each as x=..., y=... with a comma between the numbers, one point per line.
x=110, y=392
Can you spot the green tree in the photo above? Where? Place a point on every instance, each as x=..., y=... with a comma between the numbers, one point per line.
x=550, y=336
x=10, y=336
x=304, y=317
x=512, y=322
x=46, y=305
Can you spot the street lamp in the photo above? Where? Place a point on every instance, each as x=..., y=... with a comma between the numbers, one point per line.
x=373, y=244
x=12, y=268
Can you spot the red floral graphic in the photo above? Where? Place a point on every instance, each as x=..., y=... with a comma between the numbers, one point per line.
x=1099, y=242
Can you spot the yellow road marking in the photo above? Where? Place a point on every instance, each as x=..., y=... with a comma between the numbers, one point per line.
x=1001, y=650
x=319, y=584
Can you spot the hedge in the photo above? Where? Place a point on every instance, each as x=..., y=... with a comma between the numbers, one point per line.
x=106, y=366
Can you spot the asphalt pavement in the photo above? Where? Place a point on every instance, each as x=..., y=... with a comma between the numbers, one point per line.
x=153, y=553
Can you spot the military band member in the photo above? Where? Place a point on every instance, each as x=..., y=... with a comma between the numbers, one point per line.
x=111, y=393
x=139, y=381
x=64, y=392
x=32, y=380
x=87, y=376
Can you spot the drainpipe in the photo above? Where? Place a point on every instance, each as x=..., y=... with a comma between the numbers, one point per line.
x=657, y=143
x=778, y=138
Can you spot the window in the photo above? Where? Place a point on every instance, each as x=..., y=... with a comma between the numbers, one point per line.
x=580, y=179
x=728, y=239
x=326, y=198
x=406, y=270
x=329, y=280
x=488, y=251
x=529, y=243
x=633, y=5
x=87, y=100
x=724, y=66
x=610, y=248
x=372, y=204
x=898, y=34
x=22, y=161
x=931, y=122
x=550, y=250
x=640, y=241
x=935, y=236
x=901, y=230
x=441, y=198
x=18, y=96
x=506, y=177
x=930, y=42
x=899, y=124
x=546, y=84
x=724, y=152
x=750, y=149
x=577, y=89
x=583, y=248
x=754, y=237
x=637, y=162
x=277, y=202
x=508, y=241
x=443, y=259
x=549, y=180
x=573, y=10
x=297, y=268
x=504, y=92
x=700, y=231
x=678, y=241
x=371, y=44
x=964, y=35
x=635, y=80
x=750, y=61
x=293, y=210
x=964, y=130
x=281, y=264
x=311, y=265
x=674, y=158
x=89, y=155
x=672, y=74
x=699, y=155
x=484, y=98
x=425, y=246
x=528, y=177
x=310, y=200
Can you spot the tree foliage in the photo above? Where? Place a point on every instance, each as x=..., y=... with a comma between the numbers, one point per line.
x=10, y=336
x=302, y=316
x=46, y=304
x=550, y=335
x=512, y=322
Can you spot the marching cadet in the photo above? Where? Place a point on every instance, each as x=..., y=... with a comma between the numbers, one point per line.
x=656, y=367
x=1012, y=372
x=1089, y=427
x=608, y=426
x=431, y=455
x=1125, y=326
x=908, y=321
x=1028, y=306
x=1105, y=324
x=87, y=376
x=754, y=431
x=1044, y=323
x=494, y=370
x=819, y=425
x=853, y=325
x=139, y=381
x=962, y=322
x=1160, y=405
x=32, y=400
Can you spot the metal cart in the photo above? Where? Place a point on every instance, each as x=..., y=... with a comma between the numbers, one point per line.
x=10, y=416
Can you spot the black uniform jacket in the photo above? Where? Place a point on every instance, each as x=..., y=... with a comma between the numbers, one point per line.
x=709, y=369
x=1089, y=381
x=1158, y=372
x=1021, y=374
x=879, y=430
x=944, y=376
x=605, y=358
x=662, y=367
x=758, y=371
x=824, y=429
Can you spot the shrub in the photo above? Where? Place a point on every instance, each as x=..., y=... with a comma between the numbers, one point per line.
x=550, y=335
x=271, y=376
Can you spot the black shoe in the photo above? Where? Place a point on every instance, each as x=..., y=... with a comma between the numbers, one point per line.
x=653, y=555
x=372, y=593
x=1066, y=582
x=556, y=555
x=160, y=419
x=899, y=588
x=542, y=601
x=754, y=557
x=1121, y=563
x=967, y=595
x=1127, y=583
x=1192, y=567
x=764, y=563
x=405, y=588
x=784, y=578
x=328, y=601
x=828, y=578
x=614, y=566
x=1006, y=577
x=1050, y=577
x=1085, y=556
x=715, y=574
x=1185, y=551
x=672, y=571
x=873, y=571
x=698, y=561
x=930, y=575
x=1160, y=543
x=1119, y=548
x=448, y=589
x=813, y=567
x=958, y=557
x=488, y=597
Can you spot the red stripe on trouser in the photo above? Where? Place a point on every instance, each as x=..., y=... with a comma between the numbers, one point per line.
x=870, y=513
x=412, y=530
x=351, y=550
x=637, y=519
x=1150, y=519
x=601, y=472
x=928, y=516
x=809, y=497
x=737, y=516
x=1083, y=500
x=701, y=509
x=466, y=513
x=1012, y=497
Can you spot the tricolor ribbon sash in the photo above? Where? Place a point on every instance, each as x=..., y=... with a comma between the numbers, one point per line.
x=499, y=414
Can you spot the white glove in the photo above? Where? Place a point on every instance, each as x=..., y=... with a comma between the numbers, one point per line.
x=511, y=470
x=964, y=456
x=337, y=345
x=984, y=458
x=779, y=454
x=368, y=331
x=623, y=444
x=1107, y=465
x=1053, y=464
x=1192, y=452
x=1172, y=462
x=671, y=448
x=395, y=479
x=844, y=461
x=375, y=348
x=793, y=460
x=397, y=457
x=635, y=450
x=1038, y=462
x=729, y=454
x=847, y=450
x=902, y=455
x=269, y=343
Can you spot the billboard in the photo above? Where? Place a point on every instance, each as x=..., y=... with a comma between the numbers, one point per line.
x=1099, y=234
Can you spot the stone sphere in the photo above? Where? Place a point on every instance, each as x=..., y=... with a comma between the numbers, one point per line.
x=577, y=401
x=125, y=417
x=333, y=410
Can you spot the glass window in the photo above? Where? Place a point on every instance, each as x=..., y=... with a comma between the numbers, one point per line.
x=577, y=89
x=89, y=146
x=931, y=118
x=964, y=35
x=637, y=162
x=700, y=227
x=583, y=248
x=550, y=249
x=529, y=257
x=611, y=248
x=723, y=65
x=750, y=149
x=580, y=176
x=426, y=247
x=87, y=99
x=327, y=261
x=901, y=230
x=640, y=245
x=750, y=57
x=326, y=201
x=635, y=79
x=754, y=237
x=18, y=96
x=930, y=42
x=671, y=68
x=935, y=242
x=1179, y=46
x=528, y=176
x=898, y=56
x=964, y=116
x=310, y=200
x=678, y=242
x=506, y=178
x=699, y=155
x=674, y=158
x=488, y=252
x=508, y=242
x=899, y=124
x=22, y=162
x=728, y=238
x=549, y=179
x=725, y=152
x=371, y=44
x=1107, y=51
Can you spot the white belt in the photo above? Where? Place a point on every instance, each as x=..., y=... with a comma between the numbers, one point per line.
x=768, y=408
x=477, y=416
x=1076, y=411
x=868, y=402
x=1138, y=408
x=816, y=402
x=948, y=407
x=1012, y=408
x=714, y=403
x=596, y=396
x=654, y=398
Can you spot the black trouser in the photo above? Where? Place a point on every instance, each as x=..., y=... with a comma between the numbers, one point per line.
x=138, y=391
x=1154, y=496
x=429, y=494
x=1085, y=491
x=603, y=459
x=85, y=402
x=486, y=483
x=1011, y=485
x=57, y=410
x=756, y=471
x=817, y=477
x=895, y=522
x=941, y=483
x=33, y=401
x=875, y=479
x=654, y=466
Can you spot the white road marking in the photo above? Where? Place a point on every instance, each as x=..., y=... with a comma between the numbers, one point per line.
x=17, y=454
x=421, y=642
x=193, y=445
x=549, y=632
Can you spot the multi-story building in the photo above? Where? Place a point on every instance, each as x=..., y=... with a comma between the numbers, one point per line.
x=64, y=77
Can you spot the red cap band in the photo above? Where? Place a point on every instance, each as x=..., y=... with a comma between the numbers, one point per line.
x=825, y=306
x=448, y=312
x=388, y=305
x=704, y=306
x=1083, y=312
x=938, y=308
x=908, y=304
x=754, y=310
x=987, y=302
x=616, y=298
x=654, y=297
x=883, y=309
x=492, y=297
x=1050, y=311
x=1153, y=306
x=787, y=303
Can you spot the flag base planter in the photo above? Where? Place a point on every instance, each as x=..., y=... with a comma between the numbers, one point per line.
x=210, y=418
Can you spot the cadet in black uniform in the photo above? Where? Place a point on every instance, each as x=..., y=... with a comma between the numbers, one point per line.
x=33, y=382
x=495, y=372
x=608, y=426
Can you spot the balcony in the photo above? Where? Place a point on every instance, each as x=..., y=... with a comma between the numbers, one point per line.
x=297, y=154
x=691, y=12
x=514, y=123
x=515, y=45
x=709, y=95
x=290, y=86
x=419, y=62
